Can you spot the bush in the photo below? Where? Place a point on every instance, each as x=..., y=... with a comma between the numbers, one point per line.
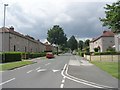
x=107, y=53
x=87, y=53
x=81, y=54
x=11, y=57
x=96, y=49
x=111, y=49
x=32, y=55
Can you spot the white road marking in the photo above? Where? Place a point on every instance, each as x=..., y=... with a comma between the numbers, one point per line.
x=55, y=70
x=29, y=71
x=81, y=80
x=63, y=81
x=7, y=81
x=62, y=85
x=41, y=70
x=47, y=64
x=38, y=68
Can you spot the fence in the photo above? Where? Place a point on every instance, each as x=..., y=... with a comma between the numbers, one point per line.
x=114, y=58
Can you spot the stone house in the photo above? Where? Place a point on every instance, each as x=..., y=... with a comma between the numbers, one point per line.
x=103, y=42
x=15, y=41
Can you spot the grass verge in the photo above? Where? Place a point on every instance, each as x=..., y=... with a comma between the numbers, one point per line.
x=110, y=67
x=13, y=65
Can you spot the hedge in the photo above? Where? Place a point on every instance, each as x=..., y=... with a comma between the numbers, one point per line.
x=107, y=53
x=33, y=55
x=10, y=57
x=18, y=56
x=81, y=54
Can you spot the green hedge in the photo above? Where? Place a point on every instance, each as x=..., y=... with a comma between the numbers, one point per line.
x=33, y=55
x=18, y=56
x=81, y=54
x=10, y=57
x=107, y=53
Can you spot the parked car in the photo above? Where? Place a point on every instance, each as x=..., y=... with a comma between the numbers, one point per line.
x=49, y=55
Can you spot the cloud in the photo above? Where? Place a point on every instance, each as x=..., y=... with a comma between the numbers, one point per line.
x=35, y=17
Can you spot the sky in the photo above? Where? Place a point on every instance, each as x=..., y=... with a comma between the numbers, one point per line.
x=35, y=17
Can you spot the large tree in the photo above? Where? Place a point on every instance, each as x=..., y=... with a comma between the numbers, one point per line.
x=86, y=43
x=81, y=43
x=72, y=43
x=112, y=19
x=56, y=35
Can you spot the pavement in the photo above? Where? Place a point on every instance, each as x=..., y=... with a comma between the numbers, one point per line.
x=63, y=71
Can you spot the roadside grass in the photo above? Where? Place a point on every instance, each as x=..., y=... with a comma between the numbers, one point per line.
x=13, y=65
x=110, y=67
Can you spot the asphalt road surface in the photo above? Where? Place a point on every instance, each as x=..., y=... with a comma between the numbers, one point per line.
x=64, y=71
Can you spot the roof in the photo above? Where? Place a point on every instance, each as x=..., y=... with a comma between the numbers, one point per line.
x=105, y=34
x=12, y=31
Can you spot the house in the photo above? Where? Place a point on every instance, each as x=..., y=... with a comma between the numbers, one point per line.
x=117, y=42
x=50, y=47
x=15, y=41
x=103, y=42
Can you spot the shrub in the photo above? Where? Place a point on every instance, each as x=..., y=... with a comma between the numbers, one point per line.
x=11, y=57
x=96, y=49
x=107, y=53
x=110, y=49
x=81, y=54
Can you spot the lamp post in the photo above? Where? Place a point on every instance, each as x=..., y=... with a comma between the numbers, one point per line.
x=3, y=49
x=118, y=37
x=5, y=5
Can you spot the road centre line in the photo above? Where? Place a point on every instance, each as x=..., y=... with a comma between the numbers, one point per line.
x=29, y=71
x=63, y=81
x=7, y=81
x=62, y=85
x=38, y=68
x=47, y=64
x=41, y=70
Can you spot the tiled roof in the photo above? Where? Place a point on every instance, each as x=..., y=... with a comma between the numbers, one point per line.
x=105, y=34
x=8, y=30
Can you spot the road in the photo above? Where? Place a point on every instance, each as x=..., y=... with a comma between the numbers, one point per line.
x=64, y=71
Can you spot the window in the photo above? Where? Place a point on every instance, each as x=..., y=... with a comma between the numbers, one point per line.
x=14, y=48
x=25, y=49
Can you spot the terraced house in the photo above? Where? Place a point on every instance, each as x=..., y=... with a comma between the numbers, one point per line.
x=15, y=41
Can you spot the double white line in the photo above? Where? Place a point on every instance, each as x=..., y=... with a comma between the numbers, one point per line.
x=66, y=75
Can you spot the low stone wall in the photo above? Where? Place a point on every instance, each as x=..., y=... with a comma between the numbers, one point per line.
x=103, y=57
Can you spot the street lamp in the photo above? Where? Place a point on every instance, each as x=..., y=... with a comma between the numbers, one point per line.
x=3, y=48
x=5, y=5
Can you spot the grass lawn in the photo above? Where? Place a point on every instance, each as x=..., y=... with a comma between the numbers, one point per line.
x=12, y=65
x=110, y=67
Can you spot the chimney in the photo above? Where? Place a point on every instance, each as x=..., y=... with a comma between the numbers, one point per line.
x=12, y=28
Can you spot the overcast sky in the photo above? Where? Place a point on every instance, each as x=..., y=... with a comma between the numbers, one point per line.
x=35, y=17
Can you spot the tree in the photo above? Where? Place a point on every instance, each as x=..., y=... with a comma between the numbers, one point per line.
x=112, y=19
x=86, y=43
x=72, y=43
x=81, y=43
x=56, y=36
